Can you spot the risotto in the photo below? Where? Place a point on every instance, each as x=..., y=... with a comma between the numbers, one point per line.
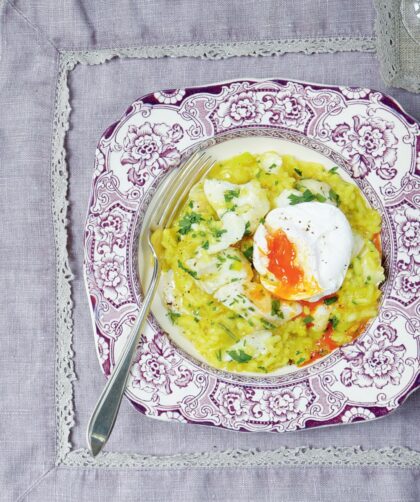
x=272, y=261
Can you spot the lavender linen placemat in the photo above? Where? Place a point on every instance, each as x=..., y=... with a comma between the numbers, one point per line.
x=46, y=405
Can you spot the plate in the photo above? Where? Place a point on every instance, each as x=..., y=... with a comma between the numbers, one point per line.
x=375, y=143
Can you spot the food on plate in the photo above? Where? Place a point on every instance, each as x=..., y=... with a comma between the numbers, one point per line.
x=272, y=261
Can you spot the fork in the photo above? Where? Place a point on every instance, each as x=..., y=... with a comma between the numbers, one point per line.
x=160, y=214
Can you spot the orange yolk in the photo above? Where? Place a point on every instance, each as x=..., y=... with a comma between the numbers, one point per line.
x=281, y=263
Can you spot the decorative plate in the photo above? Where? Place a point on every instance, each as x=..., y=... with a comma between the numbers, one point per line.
x=374, y=142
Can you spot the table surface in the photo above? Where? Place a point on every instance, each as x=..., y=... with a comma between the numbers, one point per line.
x=35, y=38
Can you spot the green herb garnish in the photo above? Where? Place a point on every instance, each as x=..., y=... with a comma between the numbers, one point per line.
x=334, y=321
x=186, y=222
x=308, y=319
x=333, y=170
x=298, y=172
x=300, y=360
x=219, y=355
x=205, y=245
x=263, y=369
x=218, y=232
x=173, y=316
x=249, y=252
x=307, y=196
x=231, y=194
x=239, y=356
x=275, y=309
x=331, y=300
x=334, y=197
x=185, y=269
x=267, y=324
x=228, y=331
x=247, y=228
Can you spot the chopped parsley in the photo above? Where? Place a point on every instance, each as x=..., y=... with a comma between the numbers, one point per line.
x=186, y=222
x=298, y=172
x=231, y=194
x=273, y=166
x=191, y=204
x=300, y=360
x=247, y=228
x=333, y=170
x=308, y=319
x=219, y=355
x=218, y=232
x=249, y=252
x=262, y=368
x=239, y=356
x=334, y=321
x=205, y=245
x=267, y=324
x=173, y=316
x=234, y=258
x=331, y=300
x=307, y=196
x=334, y=197
x=185, y=269
x=275, y=309
x=227, y=331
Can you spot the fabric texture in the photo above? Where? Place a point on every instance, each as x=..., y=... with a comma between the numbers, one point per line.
x=34, y=38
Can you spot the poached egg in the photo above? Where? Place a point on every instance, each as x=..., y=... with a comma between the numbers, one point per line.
x=302, y=251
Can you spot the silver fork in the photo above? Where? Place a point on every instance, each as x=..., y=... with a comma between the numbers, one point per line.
x=161, y=212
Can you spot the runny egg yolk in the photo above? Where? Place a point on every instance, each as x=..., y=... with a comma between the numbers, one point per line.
x=281, y=263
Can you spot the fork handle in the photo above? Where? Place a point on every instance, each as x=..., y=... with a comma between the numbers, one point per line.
x=105, y=413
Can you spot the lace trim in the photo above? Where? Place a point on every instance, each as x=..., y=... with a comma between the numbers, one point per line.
x=387, y=27
x=65, y=374
x=226, y=50
x=302, y=456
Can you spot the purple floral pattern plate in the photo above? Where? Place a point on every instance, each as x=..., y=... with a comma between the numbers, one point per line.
x=363, y=131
